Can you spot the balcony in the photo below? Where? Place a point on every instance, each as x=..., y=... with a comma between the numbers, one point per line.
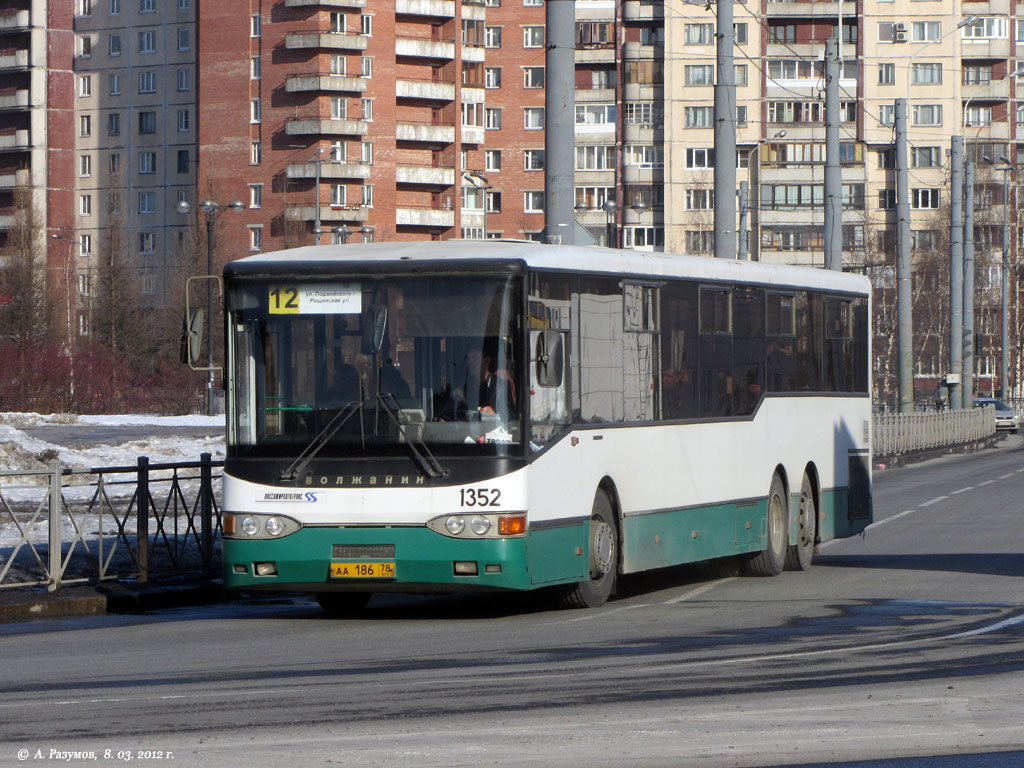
x=995, y=130
x=472, y=134
x=637, y=50
x=321, y=126
x=328, y=213
x=424, y=90
x=474, y=53
x=11, y=21
x=995, y=90
x=634, y=10
x=595, y=54
x=985, y=48
x=424, y=49
x=332, y=40
x=424, y=174
x=12, y=179
x=328, y=170
x=440, y=9
x=13, y=59
x=16, y=140
x=325, y=3
x=986, y=8
x=425, y=132
x=812, y=9
x=319, y=82
x=424, y=217
x=18, y=99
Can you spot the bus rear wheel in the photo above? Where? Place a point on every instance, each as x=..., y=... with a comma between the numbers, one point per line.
x=799, y=555
x=771, y=560
x=603, y=557
x=343, y=603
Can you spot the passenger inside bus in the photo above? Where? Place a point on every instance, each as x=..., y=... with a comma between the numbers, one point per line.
x=343, y=386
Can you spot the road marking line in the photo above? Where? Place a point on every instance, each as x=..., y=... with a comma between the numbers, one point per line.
x=1007, y=475
x=936, y=500
x=987, y=482
x=698, y=591
x=962, y=490
x=591, y=615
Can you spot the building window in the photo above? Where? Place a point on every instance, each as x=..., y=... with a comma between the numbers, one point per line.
x=887, y=74
x=85, y=165
x=533, y=159
x=928, y=31
x=925, y=157
x=183, y=121
x=991, y=28
x=339, y=64
x=533, y=201
x=698, y=117
x=926, y=74
x=533, y=77
x=115, y=164
x=85, y=246
x=700, y=74
x=492, y=37
x=85, y=205
x=147, y=162
x=184, y=83
x=254, y=68
x=114, y=45
x=255, y=195
x=147, y=202
x=927, y=114
x=924, y=198
x=115, y=7
x=255, y=153
x=85, y=47
x=492, y=160
x=533, y=118
x=533, y=37
x=366, y=152
x=147, y=122
x=492, y=118
x=147, y=82
x=886, y=114
x=599, y=157
x=644, y=155
x=699, y=199
x=147, y=242
x=700, y=241
x=492, y=77
x=699, y=34
x=366, y=66
x=700, y=158
x=366, y=109
x=595, y=114
x=366, y=24
x=338, y=194
x=147, y=42
x=85, y=7
x=85, y=85
x=85, y=125
x=255, y=25
x=184, y=40
x=114, y=85
x=255, y=110
x=975, y=116
x=182, y=161
x=147, y=6
x=114, y=124
x=593, y=198
x=339, y=107
x=255, y=237
x=367, y=195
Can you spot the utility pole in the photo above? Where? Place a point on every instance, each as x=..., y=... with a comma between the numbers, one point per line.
x=559, y=120
x=741, y=246
x=725, y=133
x=956, y=272
x=967, y=385
x=833, y=172
x=904, y=310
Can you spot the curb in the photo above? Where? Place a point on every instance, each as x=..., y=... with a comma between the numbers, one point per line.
x=113, y=597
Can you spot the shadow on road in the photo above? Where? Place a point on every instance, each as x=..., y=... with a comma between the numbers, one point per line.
x=995, y=564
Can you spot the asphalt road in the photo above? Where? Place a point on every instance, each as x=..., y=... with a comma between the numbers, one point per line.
x=904, y=647
x=88, y=435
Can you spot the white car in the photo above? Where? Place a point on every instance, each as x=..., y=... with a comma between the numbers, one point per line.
x=1006, y=417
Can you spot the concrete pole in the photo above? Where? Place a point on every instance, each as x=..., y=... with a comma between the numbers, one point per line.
x=725, y=134
x=833, y=172
x=956, y=271
x=1004, y=378
x=904, y=275
x=559, y=118
x=967, y=388
x=741, y=246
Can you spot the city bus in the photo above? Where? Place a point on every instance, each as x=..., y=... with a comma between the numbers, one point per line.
x=505, y=415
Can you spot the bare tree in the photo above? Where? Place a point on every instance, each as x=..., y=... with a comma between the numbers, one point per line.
x=25, y=302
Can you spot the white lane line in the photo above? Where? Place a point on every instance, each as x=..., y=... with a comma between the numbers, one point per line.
x=698, y=591
x=592, y=614
x=987, y=482
x=904, y=513
x=962, y=490
x=936, y=500
x=1006, y=476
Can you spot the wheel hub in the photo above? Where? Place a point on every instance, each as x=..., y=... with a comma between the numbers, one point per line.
x=602, y=548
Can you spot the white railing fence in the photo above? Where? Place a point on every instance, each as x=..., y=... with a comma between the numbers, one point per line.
x=896, y=433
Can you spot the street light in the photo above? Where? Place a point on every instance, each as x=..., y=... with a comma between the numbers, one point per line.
x=479, y=181
x=611, y=236
x=317, y=230
x=68, y=284
x=211, y=209
x=1004, y=277
x=755, y=182
x=341, y=233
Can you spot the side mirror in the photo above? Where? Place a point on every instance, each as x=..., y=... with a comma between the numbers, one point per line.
x=375, y=322
x=191, y=336
x=550, y=358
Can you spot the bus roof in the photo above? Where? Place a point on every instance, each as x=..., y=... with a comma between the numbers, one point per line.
x=320, y=259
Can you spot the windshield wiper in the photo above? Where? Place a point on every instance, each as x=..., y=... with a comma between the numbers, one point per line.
x=318, y=442
x=421, y=454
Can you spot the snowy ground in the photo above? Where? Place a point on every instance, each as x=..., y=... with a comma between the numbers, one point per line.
x=21, y=452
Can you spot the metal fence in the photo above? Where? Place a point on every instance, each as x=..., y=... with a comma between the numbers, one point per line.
x=896, y=434
x=62, y=526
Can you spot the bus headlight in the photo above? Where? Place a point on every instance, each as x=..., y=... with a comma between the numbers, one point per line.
x=480, y=526
x=243, y=526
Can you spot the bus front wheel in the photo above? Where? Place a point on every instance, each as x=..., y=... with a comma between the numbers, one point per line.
x=770, y=560
x=603, y=559
x=343, y=603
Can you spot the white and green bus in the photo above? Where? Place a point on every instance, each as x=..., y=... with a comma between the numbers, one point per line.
x=460, y=415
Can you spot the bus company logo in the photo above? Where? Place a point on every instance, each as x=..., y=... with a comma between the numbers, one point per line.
x=362, y=481
x=289, y=496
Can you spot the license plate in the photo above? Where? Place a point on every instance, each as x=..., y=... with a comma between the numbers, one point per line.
x=362, y=570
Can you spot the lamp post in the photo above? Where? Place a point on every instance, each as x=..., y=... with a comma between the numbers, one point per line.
x=68, y=286
x=211, y=209
x=754, y=177
x=341, y=233
x=317, y=230
x=1004, y=276
x=611, y=236
x=479, y=181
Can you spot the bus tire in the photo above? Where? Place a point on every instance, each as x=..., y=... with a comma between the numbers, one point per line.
x=799, y=555
x=771, y=560
x=343, y=603
x=603, y=557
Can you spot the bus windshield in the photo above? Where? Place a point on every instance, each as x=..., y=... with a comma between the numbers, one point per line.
x=368, y=364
